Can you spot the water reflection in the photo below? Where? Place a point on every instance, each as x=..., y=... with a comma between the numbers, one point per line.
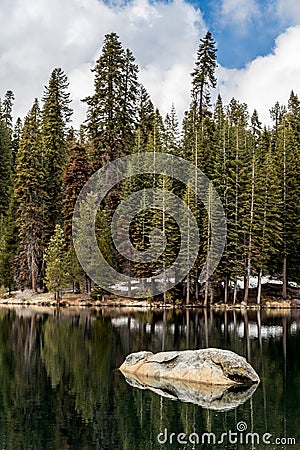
x=219, y=398
x=59, y=388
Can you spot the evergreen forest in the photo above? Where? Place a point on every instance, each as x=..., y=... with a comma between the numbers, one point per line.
x=45, y=162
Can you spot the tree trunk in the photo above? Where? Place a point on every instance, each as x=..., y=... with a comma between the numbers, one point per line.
x=248, y=259
x=88, y=285
x=33, y=274
x=206, y=294
x=57, y=296
x=258, y=298
x=235, y=293
x=284, y=279
x=206, y=328
x=129, y=288
x=165, y=297
x=188, y=290
x=226, y=326
x=246, y=282
x=246, y=334
x=226, y=289
x=211, y=294
x=197, y=286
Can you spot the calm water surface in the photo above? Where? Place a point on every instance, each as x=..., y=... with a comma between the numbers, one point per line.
x=59, y=387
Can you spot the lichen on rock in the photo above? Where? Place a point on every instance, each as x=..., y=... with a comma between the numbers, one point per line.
x=210, y=366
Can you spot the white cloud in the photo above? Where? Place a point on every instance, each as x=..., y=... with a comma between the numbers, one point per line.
x=238, y=12
x=266, y=79
x=288, y=10
x=38, y=35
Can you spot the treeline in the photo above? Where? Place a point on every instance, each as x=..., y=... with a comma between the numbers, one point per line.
x=44, y=163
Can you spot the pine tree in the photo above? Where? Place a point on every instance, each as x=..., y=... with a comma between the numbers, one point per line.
x=287, y=162
x=277, y=113
x=83, y=238
x=7, y=106
x=230, y=179
x=5, y=167
x=56, y=114
x=187, y=236
x=111, y=115
x=30, y=199
x=203, y=75
x=8, y=248
x=250, y=201
x=76, y=174
x=57, y=275
x=16, y=136
x=198, y=148
x=163, y=220
x=221, y=180
x=7, y=236
x=171, y=141
x=267, y=226
x=293, y=187
x=145, y=119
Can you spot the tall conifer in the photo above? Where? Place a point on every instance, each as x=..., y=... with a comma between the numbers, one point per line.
x=56, y=114
x=31, y=201
x=203, y=75
x=111, y=115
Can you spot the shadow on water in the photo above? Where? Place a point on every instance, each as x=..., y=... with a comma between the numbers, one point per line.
x=59, y=387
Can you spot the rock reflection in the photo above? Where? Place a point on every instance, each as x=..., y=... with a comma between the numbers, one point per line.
x=219, y=398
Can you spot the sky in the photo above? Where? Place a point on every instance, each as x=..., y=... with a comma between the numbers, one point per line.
x=258, y=45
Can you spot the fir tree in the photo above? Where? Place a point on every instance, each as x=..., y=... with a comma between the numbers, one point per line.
x=111, y=115
x=7, y=106
x=5, y=167
x=277, y=113
x=171, y=141
x=8, y=248
x=30, y=198
x=56, y=114
x=145, y=119
x=16, y=136
x=287, y=162
x=203, y=75
x=267, y=225
x=57, y=275
x=251, y=201
x=76, y=174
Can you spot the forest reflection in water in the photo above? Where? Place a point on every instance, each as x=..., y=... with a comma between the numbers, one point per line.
x=59, y=387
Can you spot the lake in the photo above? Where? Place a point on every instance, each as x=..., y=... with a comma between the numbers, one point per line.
x=60, y=387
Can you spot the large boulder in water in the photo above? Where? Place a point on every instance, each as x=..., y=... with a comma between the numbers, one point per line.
x=210, y=366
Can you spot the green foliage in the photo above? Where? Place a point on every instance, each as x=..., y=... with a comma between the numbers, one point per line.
x=30, y=201
x=44, y=165
x=56, y=114
x=16, y=136
x=76, y=174
x=5, y=166
x=8, y=249
x=112, y=109
x=57, y=275
x=203, y=75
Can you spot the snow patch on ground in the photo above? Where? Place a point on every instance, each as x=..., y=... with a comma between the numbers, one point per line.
x=265, y=279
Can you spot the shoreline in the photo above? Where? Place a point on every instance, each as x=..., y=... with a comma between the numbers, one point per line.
x=81, y=300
